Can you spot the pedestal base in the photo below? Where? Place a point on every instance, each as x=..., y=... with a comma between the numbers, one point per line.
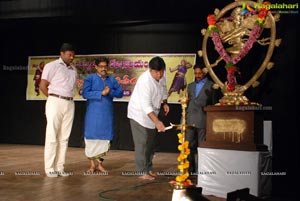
x=234, y=128
x=223, y=171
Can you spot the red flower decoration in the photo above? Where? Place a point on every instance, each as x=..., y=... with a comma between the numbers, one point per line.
x=262, y=13
x=230, y=87
x=231, y=69
x=211, y=20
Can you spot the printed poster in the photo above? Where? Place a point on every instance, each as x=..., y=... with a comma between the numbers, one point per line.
x=126, y=68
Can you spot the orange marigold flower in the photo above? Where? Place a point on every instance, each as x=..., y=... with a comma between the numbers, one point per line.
x=180, y=147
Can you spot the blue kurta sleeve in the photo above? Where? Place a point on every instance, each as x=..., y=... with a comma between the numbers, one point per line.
x=88, y=91
x=116, y=89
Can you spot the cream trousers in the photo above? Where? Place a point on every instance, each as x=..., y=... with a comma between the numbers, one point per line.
x=60, y=116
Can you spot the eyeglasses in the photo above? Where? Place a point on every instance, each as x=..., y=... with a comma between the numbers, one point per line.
x=101, y=66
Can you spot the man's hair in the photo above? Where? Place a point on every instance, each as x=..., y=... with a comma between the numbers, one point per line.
x=67, y=47
x=157, y=63
x=198, y=66
x=101, y=59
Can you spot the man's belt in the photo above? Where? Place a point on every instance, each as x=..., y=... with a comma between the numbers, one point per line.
x=62, y=97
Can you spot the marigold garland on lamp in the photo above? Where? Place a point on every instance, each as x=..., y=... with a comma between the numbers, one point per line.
x=181, y=180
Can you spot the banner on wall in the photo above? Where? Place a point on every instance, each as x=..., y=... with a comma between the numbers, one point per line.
x=126, y=68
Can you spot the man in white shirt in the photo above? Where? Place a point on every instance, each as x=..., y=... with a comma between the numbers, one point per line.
x=58, y=84
x=149, y=94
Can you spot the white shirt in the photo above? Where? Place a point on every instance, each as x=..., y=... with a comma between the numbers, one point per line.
x=62, y=78
x=146, y=97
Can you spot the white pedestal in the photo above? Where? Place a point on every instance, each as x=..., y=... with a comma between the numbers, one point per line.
x=223, y=171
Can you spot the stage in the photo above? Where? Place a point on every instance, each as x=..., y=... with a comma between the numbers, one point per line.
x=22, y=177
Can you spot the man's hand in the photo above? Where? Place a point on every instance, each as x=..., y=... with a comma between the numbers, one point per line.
x=160, y=126
x=166, y=108
x=105, y=91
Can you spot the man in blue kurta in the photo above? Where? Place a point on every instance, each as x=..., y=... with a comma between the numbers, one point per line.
x=99, y=89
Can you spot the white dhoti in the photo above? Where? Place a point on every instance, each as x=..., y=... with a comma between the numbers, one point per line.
x=95, y=149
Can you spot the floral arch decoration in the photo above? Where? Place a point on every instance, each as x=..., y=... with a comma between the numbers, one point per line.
x=239, y=31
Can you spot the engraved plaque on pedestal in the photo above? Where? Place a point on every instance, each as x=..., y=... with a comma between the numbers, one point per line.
x=234, y=128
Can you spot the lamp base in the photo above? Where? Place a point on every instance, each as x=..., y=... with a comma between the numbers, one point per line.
x=188, y=194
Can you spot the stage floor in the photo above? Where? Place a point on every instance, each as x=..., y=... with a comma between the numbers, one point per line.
x=22, y=177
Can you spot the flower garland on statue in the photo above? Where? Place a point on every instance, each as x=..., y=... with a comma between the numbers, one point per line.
x=231, y=62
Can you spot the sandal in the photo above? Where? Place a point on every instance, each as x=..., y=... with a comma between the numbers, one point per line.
x=152, y=174
x=146, y=177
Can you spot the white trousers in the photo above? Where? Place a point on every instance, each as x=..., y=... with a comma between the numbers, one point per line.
x=60, y=116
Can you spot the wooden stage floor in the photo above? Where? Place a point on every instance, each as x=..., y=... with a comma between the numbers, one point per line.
x=22, y=177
